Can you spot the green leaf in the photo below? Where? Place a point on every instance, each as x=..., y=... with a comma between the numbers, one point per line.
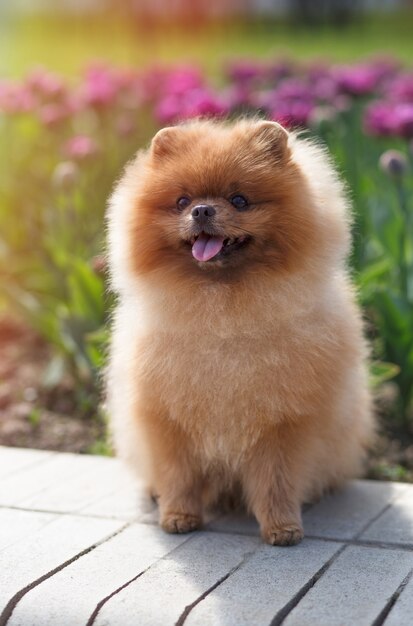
x=380, y=372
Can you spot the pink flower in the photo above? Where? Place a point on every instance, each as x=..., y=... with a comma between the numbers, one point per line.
x=80, y=147
x=168, y=110
x=45, y=83
x=15, y=98
x=203, y=102
x=181, y=80
x=196, y=103
x=100, y=88
x=53, y=114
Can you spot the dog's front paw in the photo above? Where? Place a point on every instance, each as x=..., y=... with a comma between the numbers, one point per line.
x=180, y=522
x=288, y=535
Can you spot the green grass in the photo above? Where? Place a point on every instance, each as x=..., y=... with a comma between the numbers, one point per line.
x=65, y=44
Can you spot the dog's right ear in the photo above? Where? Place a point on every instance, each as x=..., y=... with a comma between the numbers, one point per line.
x=164, y=142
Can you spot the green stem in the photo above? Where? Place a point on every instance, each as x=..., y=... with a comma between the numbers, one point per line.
x=403, y=262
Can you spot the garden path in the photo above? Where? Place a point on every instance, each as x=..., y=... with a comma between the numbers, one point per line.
x=79, y=544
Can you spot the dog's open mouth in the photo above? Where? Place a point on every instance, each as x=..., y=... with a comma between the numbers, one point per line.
x=207, y=247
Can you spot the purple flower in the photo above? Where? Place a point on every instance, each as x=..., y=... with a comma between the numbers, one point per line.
x=401, y=88
x=379, y=118
x=241, y=96
x=389, y=118
x=244, y=71
x=292, y=114
x=294, y=89
x=393, y=163
x=278, y=70
x=358, y=80
x=404, y=119
x=324, y=89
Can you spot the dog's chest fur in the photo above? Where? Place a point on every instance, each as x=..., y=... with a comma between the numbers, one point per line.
x=223, y=377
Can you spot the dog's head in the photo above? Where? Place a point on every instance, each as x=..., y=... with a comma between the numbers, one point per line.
x=221, y=199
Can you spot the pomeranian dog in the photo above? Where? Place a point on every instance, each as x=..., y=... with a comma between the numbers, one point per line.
x=238, y=361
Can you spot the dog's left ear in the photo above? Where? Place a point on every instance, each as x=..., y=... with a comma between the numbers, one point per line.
x=164, y=142
x=274, y=137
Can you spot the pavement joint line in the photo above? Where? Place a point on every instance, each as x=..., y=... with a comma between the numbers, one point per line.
x=385, y=545
x=407, y=547
x=15, y=599
x=14, y=507
x=381, y=512
x=380, y=619
x=182, y=618
x=283, y=613
x=106, y=599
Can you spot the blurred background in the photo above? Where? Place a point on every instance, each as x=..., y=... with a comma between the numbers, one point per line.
x=84, y=83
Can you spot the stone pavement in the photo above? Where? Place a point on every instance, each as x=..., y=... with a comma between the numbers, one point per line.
x=79, y=544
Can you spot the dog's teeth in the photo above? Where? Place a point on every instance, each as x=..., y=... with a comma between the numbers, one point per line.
x=226, y=242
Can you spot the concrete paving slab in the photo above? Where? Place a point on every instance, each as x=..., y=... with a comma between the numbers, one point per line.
x=263, y=585
x=129, y=502
x=20, y=489
x=71, y=596
x=66, y=555
x=14, y=460
x=50, y=547
x=354, y=590
x=402, y=611
x=16, y=526
x=343, y=515
x=395, y=525
x=90, y=479
x=161, y=595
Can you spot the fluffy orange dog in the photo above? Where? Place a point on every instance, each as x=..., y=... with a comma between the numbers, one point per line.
x=237, y=360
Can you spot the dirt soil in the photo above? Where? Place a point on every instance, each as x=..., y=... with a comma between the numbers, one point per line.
x=35, y=416
x=32, y=415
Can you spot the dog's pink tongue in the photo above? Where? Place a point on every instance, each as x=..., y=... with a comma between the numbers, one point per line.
x=206, y=247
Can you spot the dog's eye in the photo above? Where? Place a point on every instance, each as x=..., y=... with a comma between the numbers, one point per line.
x=183, y=202
x=239, y=202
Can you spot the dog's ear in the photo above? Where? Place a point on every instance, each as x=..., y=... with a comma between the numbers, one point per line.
x=165, y=142
x=273, y=137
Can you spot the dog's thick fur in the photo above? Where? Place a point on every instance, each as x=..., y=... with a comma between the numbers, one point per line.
x=245, y=374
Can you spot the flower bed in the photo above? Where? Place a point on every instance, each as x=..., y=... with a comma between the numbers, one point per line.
x=64, y=144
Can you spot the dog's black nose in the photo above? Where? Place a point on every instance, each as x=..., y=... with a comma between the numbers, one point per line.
x=201, y=213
